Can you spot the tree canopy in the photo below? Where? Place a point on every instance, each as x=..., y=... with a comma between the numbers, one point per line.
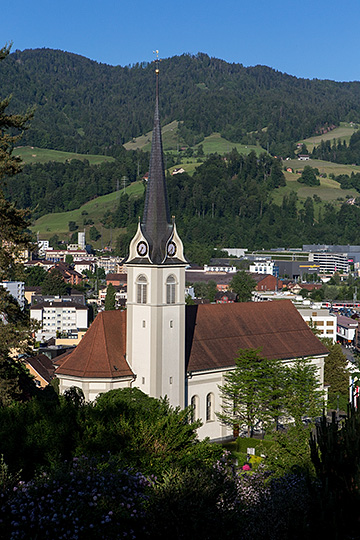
x=243, y=285
x=77, y=94
x=110, y=297
x=259, y=392
x=15, y=327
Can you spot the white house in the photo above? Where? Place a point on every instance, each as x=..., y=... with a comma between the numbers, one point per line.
x=262, y=267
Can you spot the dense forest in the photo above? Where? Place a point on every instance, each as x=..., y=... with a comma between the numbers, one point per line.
x=85, y=106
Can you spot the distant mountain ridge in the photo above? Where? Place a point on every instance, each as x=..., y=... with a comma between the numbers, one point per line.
x=84, y=106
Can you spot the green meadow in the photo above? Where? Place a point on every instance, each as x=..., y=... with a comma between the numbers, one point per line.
x=58, y=223
x=343, y=132
x=31, y=154
x=214, y=143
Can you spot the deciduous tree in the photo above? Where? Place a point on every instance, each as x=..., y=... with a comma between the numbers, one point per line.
x=243, y=285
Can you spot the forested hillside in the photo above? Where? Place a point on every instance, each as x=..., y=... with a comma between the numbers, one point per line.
x=228, y=202
x=84, y=106
x=59, y=187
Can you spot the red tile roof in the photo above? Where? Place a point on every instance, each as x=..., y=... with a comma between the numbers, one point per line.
x=216, y=332
x=101, y=352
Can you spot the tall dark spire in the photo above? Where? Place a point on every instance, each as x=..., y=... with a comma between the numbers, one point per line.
x=156, y=224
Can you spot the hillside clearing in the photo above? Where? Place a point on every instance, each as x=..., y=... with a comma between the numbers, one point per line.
x=31, y=154
x=343, y=132
x=58, y=223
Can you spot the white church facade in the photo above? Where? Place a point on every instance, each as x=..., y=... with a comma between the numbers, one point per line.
x=165, y=347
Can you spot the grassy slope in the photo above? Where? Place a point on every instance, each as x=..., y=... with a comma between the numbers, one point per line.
x=343, y=132
x=328, y=191
x=211, y=144
x=31, y=154
x=216, y=143
x=58, y=223
x=169, y=138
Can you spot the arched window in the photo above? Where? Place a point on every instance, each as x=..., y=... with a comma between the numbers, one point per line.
x=141, y=286
x=210, y=407
x=170, y=290
x=194, y=408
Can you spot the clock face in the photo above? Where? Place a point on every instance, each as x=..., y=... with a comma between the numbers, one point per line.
x=142, y=248
x=171, y=249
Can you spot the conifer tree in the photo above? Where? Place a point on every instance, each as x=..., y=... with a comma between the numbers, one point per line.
x=336, y=374
x=15, y=328
x=110, y=297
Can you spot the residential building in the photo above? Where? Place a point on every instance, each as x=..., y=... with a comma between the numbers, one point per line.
x=84, y=266
x=118, y=280
x=59, y=317
x=264, y=267
x=109, y=264
x=220, y=268
x=225, y=297
x=322, y=320
x=17, y=291
x=42, y=246
x=81, y=240
x=267, y=282
x=69, y=275
x=59, y=255
x=120, y=295
x=41, y=368
x=346, y=330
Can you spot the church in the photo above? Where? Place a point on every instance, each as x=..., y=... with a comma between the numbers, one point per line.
x=163, y=346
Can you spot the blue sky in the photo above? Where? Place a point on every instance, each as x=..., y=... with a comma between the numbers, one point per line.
x=317, y=39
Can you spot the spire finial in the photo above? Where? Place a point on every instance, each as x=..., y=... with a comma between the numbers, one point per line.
x=157, y=61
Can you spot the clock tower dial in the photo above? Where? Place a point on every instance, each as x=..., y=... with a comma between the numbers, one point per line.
x=171, y=249
x=142, y=248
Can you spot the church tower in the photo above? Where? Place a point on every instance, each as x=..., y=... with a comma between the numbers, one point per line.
x=156, y=288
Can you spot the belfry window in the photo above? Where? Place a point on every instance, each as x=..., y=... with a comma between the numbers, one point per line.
x=170, y=290
x=141, y=286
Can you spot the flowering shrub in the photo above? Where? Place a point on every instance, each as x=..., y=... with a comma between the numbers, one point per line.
x=84, y=499
x=266, y=507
